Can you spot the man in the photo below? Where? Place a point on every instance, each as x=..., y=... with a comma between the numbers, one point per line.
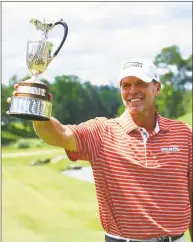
x=141, y=161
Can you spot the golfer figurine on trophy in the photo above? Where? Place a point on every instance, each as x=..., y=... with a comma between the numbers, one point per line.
x=32, y=101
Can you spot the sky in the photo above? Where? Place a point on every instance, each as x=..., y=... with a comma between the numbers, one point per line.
x=102, y=35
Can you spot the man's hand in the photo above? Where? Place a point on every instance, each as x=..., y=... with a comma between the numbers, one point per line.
x=49, y=97
x=14, y=93
x=52, y=131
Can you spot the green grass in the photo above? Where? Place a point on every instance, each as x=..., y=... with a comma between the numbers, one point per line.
x=32, y=141
x=40, y=204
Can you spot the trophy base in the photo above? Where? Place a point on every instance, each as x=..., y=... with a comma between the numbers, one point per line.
x=28, y=116
x=30, y=108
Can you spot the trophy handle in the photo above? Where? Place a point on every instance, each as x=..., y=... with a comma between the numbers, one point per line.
x=61, y=22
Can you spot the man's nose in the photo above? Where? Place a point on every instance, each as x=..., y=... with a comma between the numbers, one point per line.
x=133, y=89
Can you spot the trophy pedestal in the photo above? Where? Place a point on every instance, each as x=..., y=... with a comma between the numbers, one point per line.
x=31, y=102
x=30, y=108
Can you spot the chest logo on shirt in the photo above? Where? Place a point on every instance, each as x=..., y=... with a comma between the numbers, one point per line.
x=170, y=149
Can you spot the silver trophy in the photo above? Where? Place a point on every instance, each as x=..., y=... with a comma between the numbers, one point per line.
x=32, y=101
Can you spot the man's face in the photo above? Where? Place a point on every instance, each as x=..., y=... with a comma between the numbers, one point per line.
x=137, y=95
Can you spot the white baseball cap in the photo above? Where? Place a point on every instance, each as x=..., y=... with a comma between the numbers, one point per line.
x=147, y=72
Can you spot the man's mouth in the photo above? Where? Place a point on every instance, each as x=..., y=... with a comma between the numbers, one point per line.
x=133, y=100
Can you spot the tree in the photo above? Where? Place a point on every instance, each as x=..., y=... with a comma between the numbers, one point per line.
x=13, y=80
x=110, y=99
x=75, y=102
x=171, y=60
x=5, y=93
x=175, y=81
x=66, y=101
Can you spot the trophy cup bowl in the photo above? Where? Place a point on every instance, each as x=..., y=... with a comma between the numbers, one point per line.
x=31, y=101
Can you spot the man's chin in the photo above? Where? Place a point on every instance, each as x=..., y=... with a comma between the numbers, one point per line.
x=135, y=110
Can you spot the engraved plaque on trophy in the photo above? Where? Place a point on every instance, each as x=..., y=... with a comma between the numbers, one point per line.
x=31, y=101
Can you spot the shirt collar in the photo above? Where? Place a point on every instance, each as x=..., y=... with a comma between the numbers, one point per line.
x=126, y=122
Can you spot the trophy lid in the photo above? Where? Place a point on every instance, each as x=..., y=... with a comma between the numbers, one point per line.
x=44, y=27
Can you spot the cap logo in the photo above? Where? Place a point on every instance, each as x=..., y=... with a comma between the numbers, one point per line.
x=132, y=64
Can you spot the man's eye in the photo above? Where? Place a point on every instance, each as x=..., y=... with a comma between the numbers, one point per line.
x=142, y=83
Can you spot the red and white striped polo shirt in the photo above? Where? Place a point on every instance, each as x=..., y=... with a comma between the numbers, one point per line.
x=140, y=195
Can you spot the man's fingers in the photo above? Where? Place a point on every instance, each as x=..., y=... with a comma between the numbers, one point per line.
x=9, y=100
x=15, y=93
x=49, y=97
x=16, y=86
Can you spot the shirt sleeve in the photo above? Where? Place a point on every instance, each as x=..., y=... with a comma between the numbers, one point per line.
x=89, y=137
x=190, y=173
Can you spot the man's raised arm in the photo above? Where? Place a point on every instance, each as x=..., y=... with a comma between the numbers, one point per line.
x=56, y=134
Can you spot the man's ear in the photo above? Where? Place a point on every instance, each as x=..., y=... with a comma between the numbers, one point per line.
x=158, y=89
